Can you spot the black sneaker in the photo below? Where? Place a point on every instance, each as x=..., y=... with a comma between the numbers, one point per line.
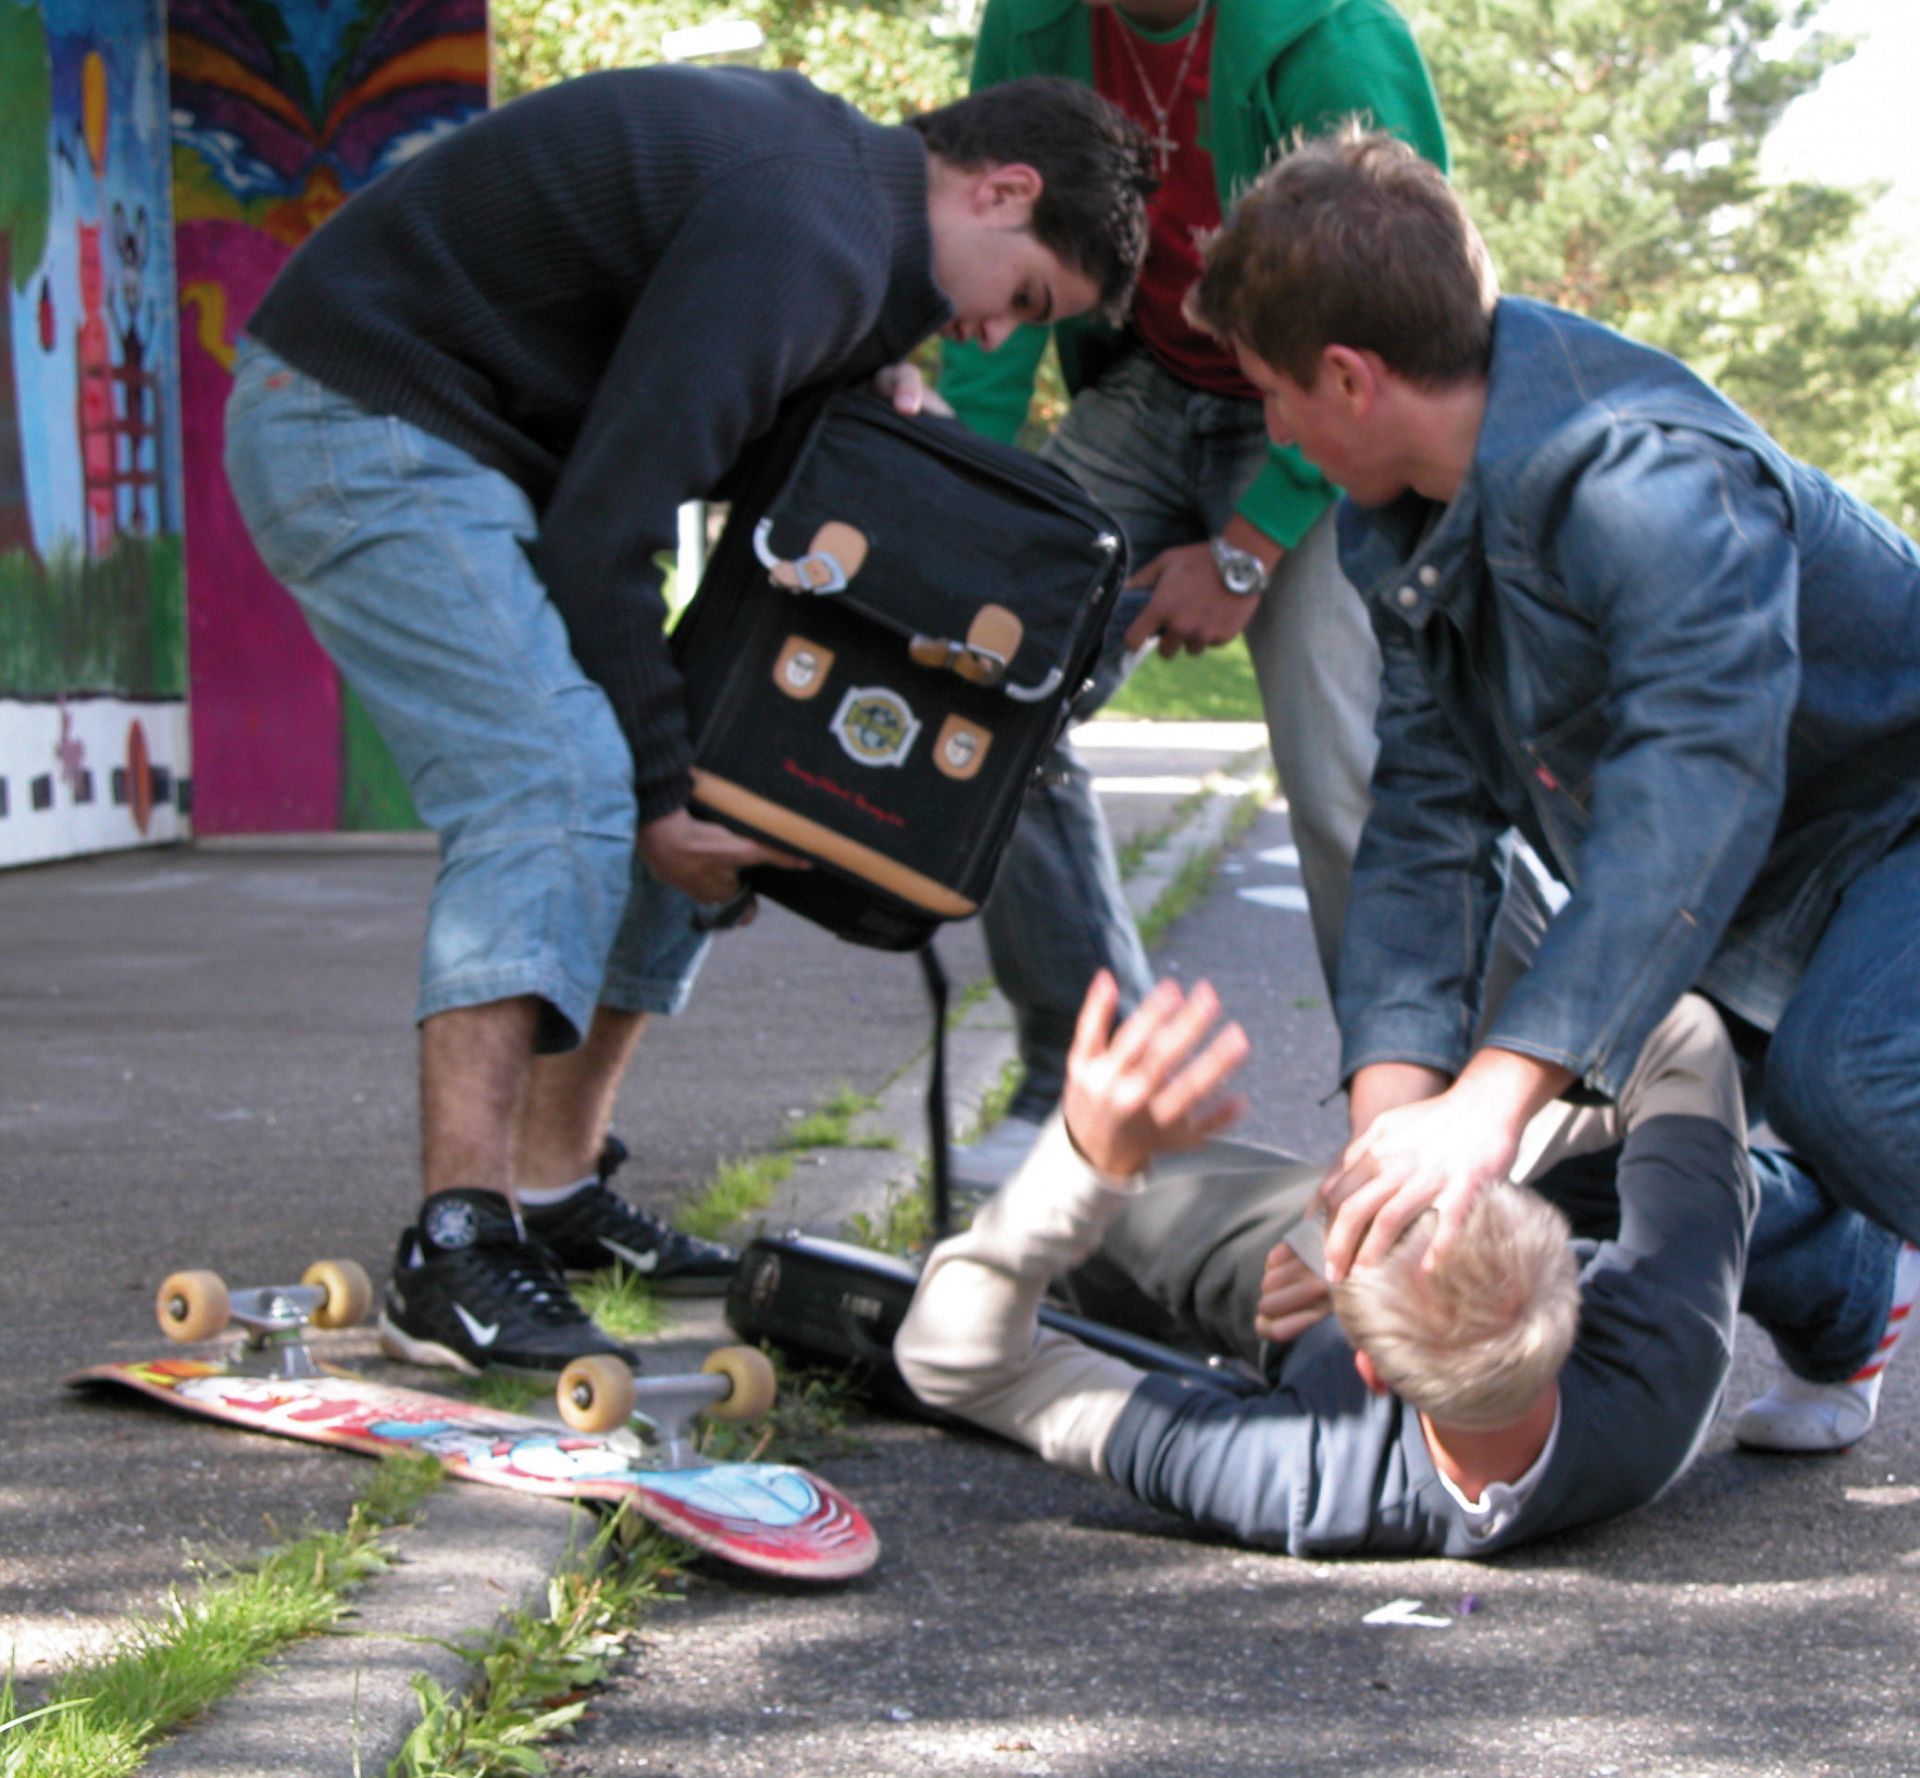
x=470, y=1291
x=596, y=1228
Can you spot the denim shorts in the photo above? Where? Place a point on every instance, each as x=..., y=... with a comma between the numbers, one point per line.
x=409, y=559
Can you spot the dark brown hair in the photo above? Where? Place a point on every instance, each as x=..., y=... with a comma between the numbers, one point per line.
x=1353, y=240
x=1095, y=167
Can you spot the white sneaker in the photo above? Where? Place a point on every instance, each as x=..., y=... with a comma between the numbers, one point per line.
x=984, y=1166
x=1799, y=1416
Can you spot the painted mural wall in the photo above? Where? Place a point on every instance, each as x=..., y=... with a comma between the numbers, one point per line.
x=93, y=733
x=282, y=109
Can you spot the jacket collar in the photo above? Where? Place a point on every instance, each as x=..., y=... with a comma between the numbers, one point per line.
x=1246, y=37
x=915, y=305
x=1411, y=554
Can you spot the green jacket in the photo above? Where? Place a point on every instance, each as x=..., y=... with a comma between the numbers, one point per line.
x=1278, y=66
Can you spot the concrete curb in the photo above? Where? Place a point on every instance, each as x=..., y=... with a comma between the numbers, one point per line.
x=341, y=1706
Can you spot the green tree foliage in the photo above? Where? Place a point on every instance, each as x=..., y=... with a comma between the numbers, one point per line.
x=888, y=57
x=1611, y=152
x=1610, y=149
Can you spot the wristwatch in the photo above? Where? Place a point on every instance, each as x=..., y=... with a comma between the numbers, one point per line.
x=1241, y=571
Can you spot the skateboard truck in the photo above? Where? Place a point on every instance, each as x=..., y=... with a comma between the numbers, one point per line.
x=600, y=1393
x=194, y=1306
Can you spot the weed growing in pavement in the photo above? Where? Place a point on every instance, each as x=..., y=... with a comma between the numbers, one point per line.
x=492, y=1389
x=1196, y=876
x=622, y=1302
x=831, y=1124
x=536, y=1673
x=102, y=1716
x=808, y=1422
x=737, y=1189
x=904, y=1225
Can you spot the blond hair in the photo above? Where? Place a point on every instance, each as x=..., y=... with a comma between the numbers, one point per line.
x=1352, y=240
x=1473, y=1342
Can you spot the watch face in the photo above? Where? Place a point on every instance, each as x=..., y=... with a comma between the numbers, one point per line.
x=1240, y=570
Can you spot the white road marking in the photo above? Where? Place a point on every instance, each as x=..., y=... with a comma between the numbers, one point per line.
x=1289, y=896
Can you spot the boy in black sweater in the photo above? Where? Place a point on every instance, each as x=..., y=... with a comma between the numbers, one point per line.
x=461, y=426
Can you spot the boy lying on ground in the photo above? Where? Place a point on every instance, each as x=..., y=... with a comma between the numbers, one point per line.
x=1525, y=1385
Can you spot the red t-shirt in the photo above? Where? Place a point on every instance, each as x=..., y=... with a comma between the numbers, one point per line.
x=1138, y=75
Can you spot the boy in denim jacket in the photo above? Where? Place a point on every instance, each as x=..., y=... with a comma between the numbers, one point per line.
x=1615, y=616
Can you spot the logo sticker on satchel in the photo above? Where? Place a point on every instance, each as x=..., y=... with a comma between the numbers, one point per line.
x=874, y=726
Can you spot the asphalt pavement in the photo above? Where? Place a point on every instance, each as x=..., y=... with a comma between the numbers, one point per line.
x=208, y=1060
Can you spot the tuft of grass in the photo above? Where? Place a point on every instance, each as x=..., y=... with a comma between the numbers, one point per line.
x=962, y=1003
x=993, y=1102
x=622, y=1302
x=831, y=1125
x=737, y=1190
x=1135, y=852
x=493, y=1389
x=905, y=1223
x=808, y=1423
x=537, y=1673
x=1196, y=876
x=102, y=1716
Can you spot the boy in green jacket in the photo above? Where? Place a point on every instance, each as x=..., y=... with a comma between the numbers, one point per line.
x=1227, y=533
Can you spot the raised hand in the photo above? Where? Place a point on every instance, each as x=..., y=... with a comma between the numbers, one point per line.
x=1149, y=1088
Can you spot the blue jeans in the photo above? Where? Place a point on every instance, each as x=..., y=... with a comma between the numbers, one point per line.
x=1840, y=1080
x=409, y=560
x=1170, y=462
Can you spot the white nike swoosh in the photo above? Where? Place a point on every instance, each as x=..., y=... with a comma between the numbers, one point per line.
x=640, y=1262
x=483, y=1332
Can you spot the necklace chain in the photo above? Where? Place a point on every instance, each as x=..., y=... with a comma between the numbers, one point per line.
x=1162, y=142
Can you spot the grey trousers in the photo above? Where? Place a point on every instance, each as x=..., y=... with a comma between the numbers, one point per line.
x=1170, y=462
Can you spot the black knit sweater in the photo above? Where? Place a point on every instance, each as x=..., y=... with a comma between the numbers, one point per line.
x=606, y=290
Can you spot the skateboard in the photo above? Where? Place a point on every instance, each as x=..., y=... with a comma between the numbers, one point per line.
x=626, y=1439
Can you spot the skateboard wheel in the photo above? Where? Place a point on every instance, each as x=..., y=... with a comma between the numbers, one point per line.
x=595, y=1394
x=191, y=1306
x=751, y=1373
x=349, y=1292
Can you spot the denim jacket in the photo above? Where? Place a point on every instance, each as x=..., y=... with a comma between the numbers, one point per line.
x=1683, y=665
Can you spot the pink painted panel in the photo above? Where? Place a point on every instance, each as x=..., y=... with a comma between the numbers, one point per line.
x=266, y=700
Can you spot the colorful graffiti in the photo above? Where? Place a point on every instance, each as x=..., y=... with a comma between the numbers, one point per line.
x=93, y=741
x=282, y=109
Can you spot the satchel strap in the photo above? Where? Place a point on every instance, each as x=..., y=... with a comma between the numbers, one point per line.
x=835, y=557
x=993, y=639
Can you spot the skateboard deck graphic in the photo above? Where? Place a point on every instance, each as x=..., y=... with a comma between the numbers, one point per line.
x=769, y=1517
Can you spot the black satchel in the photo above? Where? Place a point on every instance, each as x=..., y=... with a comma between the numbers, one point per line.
x=830, y=1303
x=884, y=647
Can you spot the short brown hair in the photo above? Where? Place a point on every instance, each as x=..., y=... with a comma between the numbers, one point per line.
x=1094, y=162
x=1473, y=1342
x=1352, y=240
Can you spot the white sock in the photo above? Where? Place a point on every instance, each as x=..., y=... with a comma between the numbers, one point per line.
x=1795, y=1415
x=1906, y=1287
x=554, y=1194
